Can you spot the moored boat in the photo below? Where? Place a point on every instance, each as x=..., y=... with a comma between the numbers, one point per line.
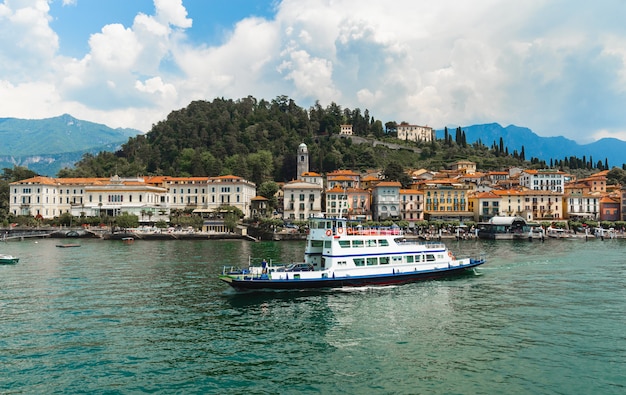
x=6, y=259
x=337, y=255
x=68, y=245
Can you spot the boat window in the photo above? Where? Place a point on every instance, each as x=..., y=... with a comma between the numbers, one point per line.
x=359, y=262
x=383, y=243
x=357, y=243
x=317, y=243
x=409, y=259
x=344, y=243
x=370, y=243
x=372, y=261
x=419, y=258
x=384, y=260
x=430, y=258
x=327, y=244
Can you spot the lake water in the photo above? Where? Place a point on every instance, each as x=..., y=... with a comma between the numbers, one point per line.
x=151, y=317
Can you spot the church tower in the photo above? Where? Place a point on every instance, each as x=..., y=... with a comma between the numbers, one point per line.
x=303, y=160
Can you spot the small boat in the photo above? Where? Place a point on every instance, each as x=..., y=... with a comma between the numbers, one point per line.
x=337, y=255
x=8, y=259
x=128, y=240
x=67, y=245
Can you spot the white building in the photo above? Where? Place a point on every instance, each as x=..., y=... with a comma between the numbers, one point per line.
x=346, y=130
x=543, y=180
x=154, y=197
x=46, y=197
x=386, y=200
x=415, y=133
x=302, y=200
x=228, y=191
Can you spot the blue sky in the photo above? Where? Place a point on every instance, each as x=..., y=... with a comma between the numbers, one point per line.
x=555, y=66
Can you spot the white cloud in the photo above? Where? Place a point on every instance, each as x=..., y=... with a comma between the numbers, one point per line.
x=557, y=67
x=172, y=12
x=115, y=48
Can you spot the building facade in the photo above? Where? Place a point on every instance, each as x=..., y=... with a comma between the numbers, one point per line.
x=301, y=200
x=386, y=201
x=415, y=133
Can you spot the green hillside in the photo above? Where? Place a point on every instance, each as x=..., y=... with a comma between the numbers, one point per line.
x=258, y=140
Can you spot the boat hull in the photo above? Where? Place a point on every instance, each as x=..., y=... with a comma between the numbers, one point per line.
x=9, y=261
x=256, y=283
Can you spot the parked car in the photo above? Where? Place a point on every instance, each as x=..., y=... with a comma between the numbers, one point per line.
x=299, y=267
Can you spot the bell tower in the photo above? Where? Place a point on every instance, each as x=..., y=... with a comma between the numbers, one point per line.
x=303, y=160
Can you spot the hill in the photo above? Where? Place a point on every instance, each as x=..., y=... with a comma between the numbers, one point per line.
x=545, y=148
x=47, y=145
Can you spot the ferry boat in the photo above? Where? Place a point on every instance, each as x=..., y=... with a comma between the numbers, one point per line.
x=337, y=255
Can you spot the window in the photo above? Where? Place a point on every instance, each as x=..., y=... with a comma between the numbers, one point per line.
x=344, y=243
x=409, y=259
x=372, y=261
x=359, y=262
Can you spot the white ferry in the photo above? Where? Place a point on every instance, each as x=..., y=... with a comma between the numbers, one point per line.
x=340, y=256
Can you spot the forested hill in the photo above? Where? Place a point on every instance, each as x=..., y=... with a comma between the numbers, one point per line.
x=255, y=139
x=258, y=140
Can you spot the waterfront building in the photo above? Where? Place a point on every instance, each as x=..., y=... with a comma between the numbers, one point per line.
x=147, y=197
x=260, y=207
x=580, y=202
x=623, y=200
x=533, y=205
x=359, y=204
x=415, y=133
x=411, y=205
x=46, y=198
x=386, y=200
x=228, y=190
x=446, y=199
x=183, y=193
x=609, y=208
x=301, y=200
x=484, y=205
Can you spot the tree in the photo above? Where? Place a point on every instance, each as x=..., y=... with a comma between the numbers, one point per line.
x=126, y=220
x=268, y=190
x=395, y=172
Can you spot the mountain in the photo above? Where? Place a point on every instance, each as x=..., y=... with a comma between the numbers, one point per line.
x=47, y=145
x=545, y=148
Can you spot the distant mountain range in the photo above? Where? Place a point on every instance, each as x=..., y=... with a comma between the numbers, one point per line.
x=545, y=148
x=47, y=145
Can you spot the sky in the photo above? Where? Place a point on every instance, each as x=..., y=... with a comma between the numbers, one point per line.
x=557, y=67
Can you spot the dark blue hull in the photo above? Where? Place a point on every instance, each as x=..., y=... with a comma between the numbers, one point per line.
x=356, y=281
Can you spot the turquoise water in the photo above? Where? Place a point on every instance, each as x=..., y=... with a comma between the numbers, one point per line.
x=540, y=318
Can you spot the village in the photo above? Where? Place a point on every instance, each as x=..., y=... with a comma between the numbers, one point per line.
x=459, y=194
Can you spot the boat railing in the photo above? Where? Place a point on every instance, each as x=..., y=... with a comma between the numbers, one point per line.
x=428, y=244
x=361, y=231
